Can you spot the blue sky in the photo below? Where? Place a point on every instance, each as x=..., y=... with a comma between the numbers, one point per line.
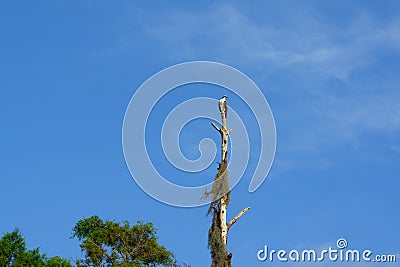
x=329, y=71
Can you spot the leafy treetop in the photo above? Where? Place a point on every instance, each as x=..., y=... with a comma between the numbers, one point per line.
x=108, y=243
x=13, y=253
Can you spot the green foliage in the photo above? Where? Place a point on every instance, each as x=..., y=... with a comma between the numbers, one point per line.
x=108, y=243
x=12, y=248
x=30, y=258
x=58, y=262
x=13, y=253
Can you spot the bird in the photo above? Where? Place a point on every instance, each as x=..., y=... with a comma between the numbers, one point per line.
x=223, y=106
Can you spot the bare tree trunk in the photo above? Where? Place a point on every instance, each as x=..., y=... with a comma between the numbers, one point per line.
x=224, y=157
x=218, y=233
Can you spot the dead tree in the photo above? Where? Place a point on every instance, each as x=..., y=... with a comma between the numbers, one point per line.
x=218, y=232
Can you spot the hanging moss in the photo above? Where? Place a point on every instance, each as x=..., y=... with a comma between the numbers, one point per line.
x=219, y=255
x=220, y=187
x=216, y=244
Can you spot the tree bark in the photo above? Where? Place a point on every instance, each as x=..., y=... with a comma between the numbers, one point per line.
x=237, y=217
x=220, y=204
x=224, y=157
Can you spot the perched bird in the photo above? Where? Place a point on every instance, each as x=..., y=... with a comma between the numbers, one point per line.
x=223, y=106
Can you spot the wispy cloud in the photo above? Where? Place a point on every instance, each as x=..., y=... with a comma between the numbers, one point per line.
x=302, y=44
x=229, y=33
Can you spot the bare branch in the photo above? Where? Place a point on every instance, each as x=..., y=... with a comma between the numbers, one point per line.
x=216, y=127
x=237, y=217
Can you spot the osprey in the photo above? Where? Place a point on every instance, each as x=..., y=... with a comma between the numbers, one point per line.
x=223, y=106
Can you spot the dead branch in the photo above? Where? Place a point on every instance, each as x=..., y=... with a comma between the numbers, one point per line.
x=237, y=217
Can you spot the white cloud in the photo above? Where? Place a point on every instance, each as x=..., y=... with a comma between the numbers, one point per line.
x=226, y=32
x=305, y=45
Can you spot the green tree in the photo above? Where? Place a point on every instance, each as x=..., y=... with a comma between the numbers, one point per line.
x=12, y=248
x=108, y=243
x=57, y=262
x=13, y=253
